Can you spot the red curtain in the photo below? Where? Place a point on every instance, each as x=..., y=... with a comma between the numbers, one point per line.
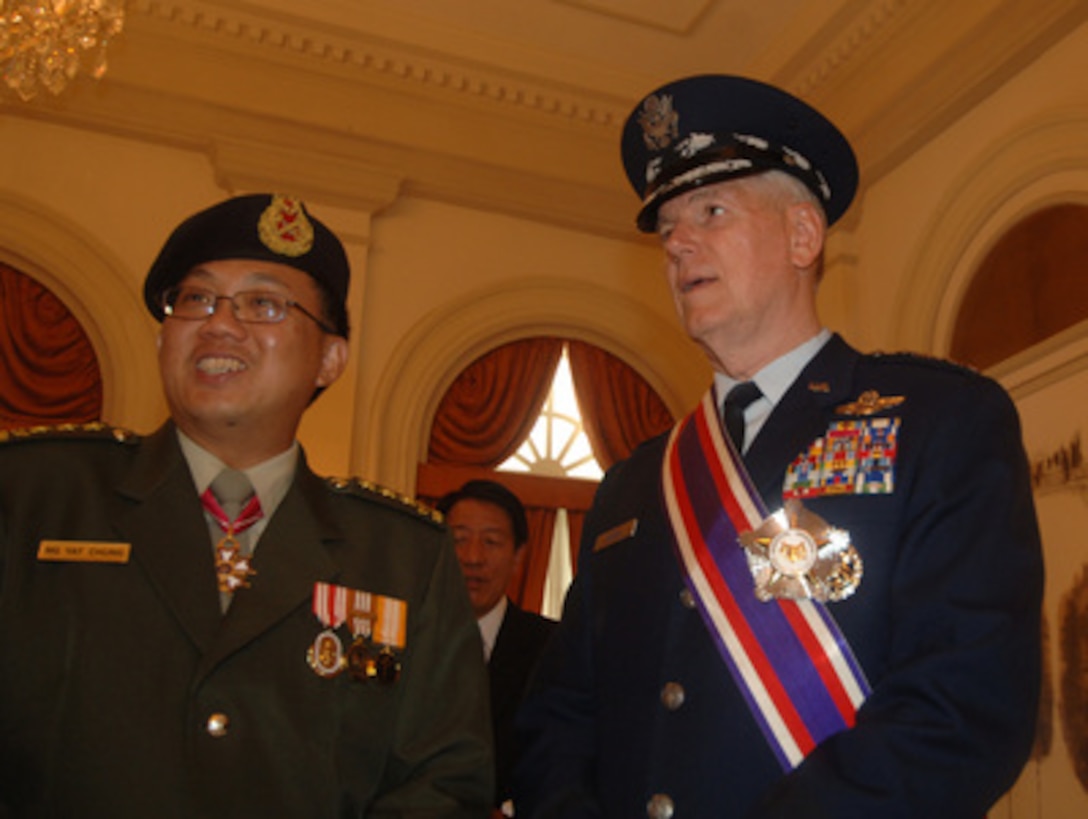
x=619, y=409
x=527, y=585
x=48, y=370
x=488, y=411
x=575, y=519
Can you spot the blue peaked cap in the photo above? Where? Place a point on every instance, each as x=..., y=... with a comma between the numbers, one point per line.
x=713, y=127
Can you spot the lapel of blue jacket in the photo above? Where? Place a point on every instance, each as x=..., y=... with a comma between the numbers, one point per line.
x=800, y=417
x=291, y=556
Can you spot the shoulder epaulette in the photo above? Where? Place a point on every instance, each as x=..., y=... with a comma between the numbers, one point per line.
x=372, y=491
x=92, y=431
x=923, y=359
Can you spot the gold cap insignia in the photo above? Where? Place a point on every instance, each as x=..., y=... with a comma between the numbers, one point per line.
x=284, y=227
x=869, y=403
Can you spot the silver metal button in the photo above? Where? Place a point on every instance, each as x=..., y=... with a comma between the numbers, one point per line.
x=217, y=725
x=672, y=695
x=660, y=807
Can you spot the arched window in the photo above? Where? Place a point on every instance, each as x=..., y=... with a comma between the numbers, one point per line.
x=557, y=445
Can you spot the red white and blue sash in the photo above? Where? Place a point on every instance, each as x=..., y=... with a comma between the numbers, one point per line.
x=788, y=657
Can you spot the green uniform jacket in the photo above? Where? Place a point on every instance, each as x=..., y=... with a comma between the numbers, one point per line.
x=110, y=672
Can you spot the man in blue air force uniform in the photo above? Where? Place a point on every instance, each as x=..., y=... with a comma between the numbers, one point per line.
x=193, y=624
x=826, y=605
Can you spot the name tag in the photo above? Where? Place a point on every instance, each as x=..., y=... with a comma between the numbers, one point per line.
x=83, y=551
x=616, y=534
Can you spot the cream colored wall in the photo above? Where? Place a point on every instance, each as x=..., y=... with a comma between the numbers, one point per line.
x=922, y=231
x=434, y=286
x=1050, y=384
x=926, y=226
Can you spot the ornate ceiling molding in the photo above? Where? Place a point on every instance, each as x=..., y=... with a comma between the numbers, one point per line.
x=846, y=46
x=378, y=61
x=894, y=73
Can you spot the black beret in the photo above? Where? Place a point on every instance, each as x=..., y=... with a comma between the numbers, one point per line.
x=265, y=227
x=714, y=127
x=495, y=493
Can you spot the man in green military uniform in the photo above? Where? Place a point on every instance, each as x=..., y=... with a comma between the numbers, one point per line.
x=192, y=623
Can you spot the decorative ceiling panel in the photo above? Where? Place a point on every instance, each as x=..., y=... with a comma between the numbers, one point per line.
x=677, y=16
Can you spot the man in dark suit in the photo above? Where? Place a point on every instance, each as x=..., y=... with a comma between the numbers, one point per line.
x=192, y=623
x=819, y=596
x=490, y=530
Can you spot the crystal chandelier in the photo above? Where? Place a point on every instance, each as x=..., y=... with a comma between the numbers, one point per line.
x=44, y=44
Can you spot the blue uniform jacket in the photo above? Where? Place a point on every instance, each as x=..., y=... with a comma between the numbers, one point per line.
x=945, y=624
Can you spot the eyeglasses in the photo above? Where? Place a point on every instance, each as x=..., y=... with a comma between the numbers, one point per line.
x=250, y=306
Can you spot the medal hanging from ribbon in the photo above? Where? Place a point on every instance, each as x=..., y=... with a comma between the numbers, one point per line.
x=232, y=567
x=788, y=657
x=378, y=625
x=330, y=606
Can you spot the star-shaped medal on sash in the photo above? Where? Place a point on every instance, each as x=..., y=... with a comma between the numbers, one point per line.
x=795, y=555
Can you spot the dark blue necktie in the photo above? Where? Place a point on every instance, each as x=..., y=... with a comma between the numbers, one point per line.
x=736, y=402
